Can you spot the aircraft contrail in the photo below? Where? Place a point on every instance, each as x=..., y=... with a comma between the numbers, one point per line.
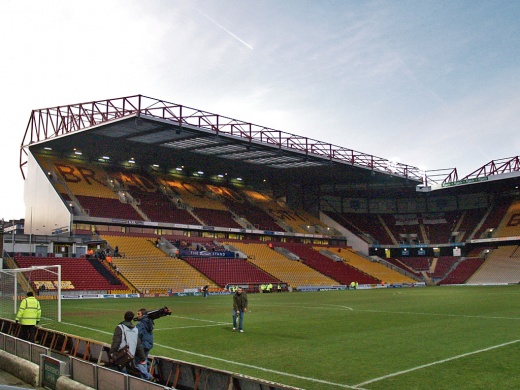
x=226, y=30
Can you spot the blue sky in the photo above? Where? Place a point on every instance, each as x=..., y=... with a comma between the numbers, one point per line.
x=433, y=84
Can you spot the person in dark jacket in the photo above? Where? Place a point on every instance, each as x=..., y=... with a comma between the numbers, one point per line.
x=126, y=333
x=145, y=326
x=205, y=290
x=239, y=308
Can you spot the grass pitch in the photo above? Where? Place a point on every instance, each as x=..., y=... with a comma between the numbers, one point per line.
x=408, y=338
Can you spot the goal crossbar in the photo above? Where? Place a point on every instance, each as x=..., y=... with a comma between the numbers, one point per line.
x=20, y=271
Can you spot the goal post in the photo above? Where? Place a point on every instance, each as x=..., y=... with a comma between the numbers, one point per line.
x=43, y=280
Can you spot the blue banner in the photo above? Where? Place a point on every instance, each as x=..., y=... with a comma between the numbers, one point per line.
x=190, y=253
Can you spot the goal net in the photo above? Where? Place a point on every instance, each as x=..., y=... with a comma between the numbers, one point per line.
x=44, y=281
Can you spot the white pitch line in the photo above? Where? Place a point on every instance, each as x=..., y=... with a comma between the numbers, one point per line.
x=193, y=326
x=236, y=363
x=439, y=314
x=261, y=368
x=435, y=363
x=325, y=307
x=198, y=319
x=330, y=306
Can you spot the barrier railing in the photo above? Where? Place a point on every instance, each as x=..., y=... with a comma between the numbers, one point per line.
x=78, y=351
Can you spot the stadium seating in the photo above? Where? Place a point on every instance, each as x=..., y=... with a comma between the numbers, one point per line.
x=463, y=271
x=256, y=216
x=372, y=268
x=501, y=266
x=510, y=226
x=230, y=271
x=443, y=266
x=438, y=227
x=213, y=217
x=470, y=221
x=297, y=221
x=193, y=192
x=159, y=208
x=417, y=263
x=161, y=274
x=405, y=267
x=294, y=273
x=365, y=225
x=340, y=271
x=149, y=269
x=83, y=178
x=493, y=219
x=405, y=233
x=79, y=271
x=108, y=208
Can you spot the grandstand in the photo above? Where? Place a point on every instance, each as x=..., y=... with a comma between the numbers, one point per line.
x=202, y=199
x=139, y=197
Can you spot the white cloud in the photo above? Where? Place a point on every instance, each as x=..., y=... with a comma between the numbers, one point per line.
x=426, y=84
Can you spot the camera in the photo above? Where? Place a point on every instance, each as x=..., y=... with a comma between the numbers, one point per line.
x=157, y=313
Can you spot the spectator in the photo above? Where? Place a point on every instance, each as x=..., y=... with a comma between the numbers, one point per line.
x=127, y=334
x=239, y=308
x=205, y=290
x=29, y=314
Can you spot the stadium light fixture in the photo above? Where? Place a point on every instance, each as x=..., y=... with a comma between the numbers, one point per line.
x=106, y=158
x=220, y=175
x=239, y=178
x=47, y=148
x=200, y=173
x=78, y=153
x=178, y=169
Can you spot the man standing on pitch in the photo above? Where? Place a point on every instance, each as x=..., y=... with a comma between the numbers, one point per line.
x=239, y=308
x=29, y=314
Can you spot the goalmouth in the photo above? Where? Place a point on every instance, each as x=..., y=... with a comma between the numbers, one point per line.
x=43, y=280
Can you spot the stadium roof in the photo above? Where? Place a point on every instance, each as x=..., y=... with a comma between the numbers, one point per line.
x=153, y=132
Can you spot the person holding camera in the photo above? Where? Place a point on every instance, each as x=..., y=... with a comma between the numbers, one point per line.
x=145, y=327
x=127, y=348
x=28, y=316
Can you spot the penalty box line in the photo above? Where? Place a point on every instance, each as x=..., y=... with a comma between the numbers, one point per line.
x=435, y=363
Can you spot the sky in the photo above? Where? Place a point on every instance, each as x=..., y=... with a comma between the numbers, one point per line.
x=432, y=84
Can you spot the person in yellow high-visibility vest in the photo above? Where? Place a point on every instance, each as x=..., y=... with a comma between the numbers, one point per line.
x=28, y=316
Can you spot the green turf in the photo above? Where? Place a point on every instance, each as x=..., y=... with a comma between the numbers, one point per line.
x=410, y=338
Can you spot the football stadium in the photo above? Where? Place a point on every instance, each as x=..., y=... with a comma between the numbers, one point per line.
x=360, y=272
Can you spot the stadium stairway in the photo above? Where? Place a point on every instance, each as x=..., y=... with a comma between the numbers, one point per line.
x=109, y=276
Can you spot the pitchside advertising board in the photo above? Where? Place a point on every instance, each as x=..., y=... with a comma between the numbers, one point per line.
x=144, y=295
